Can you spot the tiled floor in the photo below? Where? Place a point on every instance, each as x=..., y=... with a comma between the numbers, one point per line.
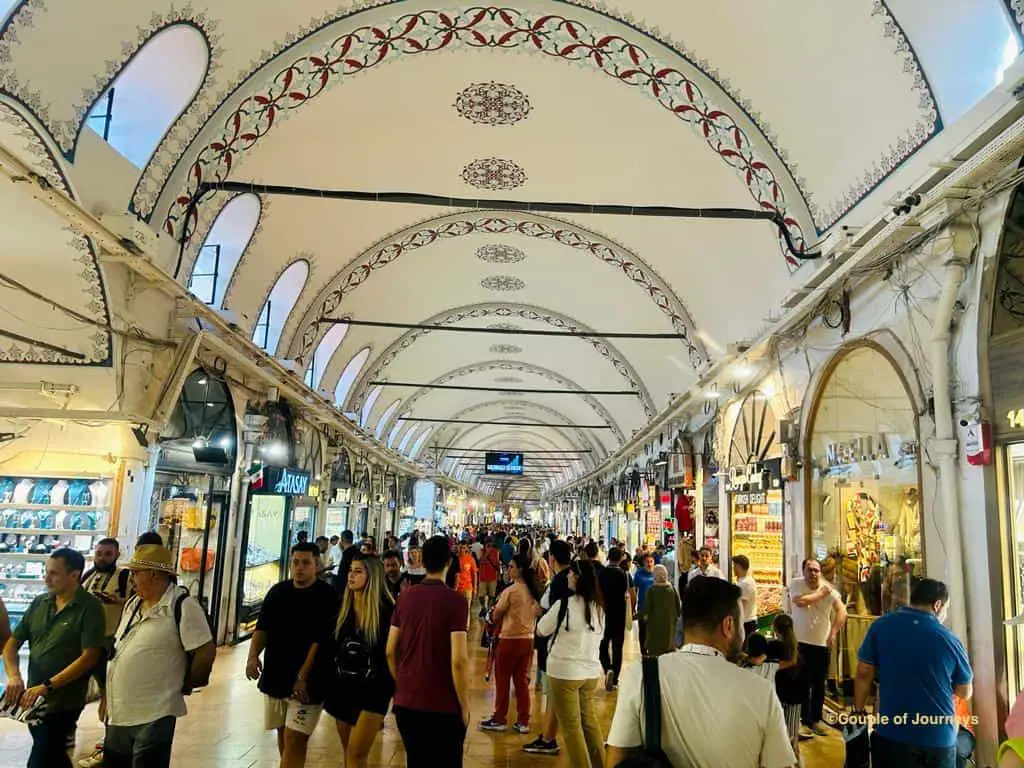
x=224, y=730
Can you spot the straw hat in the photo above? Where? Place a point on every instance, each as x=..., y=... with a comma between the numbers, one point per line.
x=152, y=557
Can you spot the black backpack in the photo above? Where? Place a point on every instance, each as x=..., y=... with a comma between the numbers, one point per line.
x=652, y=755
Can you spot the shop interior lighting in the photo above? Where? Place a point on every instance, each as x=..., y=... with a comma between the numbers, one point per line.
x=224, y=442
x=200, y=442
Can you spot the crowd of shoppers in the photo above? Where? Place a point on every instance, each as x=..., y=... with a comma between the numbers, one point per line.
x=370, y=633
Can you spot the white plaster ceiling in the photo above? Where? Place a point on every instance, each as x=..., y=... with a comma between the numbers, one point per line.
x=801, y=107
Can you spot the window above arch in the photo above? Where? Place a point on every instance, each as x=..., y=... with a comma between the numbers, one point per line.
x=371, y=401
x=279, y=305
x=349, y=375
x=382, y=422
x=420, y=442
x=399, y=425
x=223, y=247
x=146, y=97
x=408, y=436
x=323, y=353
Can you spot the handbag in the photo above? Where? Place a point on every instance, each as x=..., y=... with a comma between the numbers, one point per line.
x=354, y=660
x=652, y=755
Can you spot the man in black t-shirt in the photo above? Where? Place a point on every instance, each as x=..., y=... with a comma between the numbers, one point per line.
x=296, y=619
x=348, y=551
x=614, y=583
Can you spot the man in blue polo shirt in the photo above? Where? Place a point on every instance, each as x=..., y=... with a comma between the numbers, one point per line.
x=920, y=664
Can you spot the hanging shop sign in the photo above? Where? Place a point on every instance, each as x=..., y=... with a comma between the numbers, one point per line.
x=755, y=478
x=282, y=481
x=866, y=448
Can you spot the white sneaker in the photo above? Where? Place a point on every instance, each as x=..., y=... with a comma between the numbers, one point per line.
x=95, y=760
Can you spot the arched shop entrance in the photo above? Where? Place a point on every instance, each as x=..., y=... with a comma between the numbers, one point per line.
x=191, y=495
x=863, y=494
x=1005, y=352
x=754, y=484
x=341, y=496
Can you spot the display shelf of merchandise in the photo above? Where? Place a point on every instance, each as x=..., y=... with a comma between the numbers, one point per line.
x=55, y=531
x=36, y=556
x=53, y=507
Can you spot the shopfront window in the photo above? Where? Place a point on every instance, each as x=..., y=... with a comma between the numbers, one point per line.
x=1014, y=573
x=865, y=510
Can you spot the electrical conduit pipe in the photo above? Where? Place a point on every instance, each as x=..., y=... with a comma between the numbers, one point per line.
x=944, y=445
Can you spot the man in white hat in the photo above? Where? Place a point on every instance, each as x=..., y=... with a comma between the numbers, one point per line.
x=162, y=649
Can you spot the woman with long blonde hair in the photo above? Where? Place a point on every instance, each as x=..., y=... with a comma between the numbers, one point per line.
x=360, y=696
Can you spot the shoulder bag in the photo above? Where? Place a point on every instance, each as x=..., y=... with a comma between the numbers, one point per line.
x=652, y=755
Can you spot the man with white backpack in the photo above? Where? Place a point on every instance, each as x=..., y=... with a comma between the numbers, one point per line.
x=163, y=649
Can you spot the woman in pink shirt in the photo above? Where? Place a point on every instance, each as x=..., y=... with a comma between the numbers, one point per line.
x=516, y=612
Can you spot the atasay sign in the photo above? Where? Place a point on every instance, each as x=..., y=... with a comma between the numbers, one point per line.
x=285, y=482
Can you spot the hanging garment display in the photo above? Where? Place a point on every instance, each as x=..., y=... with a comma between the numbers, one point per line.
x=907, y=527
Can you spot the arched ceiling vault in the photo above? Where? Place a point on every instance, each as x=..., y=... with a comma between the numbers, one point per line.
x=505, y=313
x=545, y=101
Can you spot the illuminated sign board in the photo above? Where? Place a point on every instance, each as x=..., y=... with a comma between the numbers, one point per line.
x=504, y=463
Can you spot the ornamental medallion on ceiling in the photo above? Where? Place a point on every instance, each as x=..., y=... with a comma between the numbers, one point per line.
x=494, y=174
x=493, y=104
x=499, y=253
x=502, y=283
x=506, y=349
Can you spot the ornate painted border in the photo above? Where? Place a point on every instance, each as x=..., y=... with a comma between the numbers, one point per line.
x=545, y=228
x=505, y=365
x=46, y=163
x=66, y=132
x=477, y=311
x=1016, y=8
x=481, y=27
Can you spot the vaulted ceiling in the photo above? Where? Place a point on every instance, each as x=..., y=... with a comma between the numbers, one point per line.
x=799, y=109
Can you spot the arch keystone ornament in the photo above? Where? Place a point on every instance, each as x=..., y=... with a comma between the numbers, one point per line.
x=502, y=283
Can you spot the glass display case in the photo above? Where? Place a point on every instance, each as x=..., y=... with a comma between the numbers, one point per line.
x=263, y=566
x=757, y=533
x=39, y=515
x=191, y=515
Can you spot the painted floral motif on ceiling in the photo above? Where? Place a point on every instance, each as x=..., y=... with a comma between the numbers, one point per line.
x=499, y=253
x=502, y=283
x=504, y=327
x=494, y=174
x=557, y=321
x=612, y=254
x=493, y=104
x=23, y=139
x=506, y=349
x=506, y=367
x=479, y=27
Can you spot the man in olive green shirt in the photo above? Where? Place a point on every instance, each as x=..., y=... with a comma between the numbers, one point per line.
x=65, y=631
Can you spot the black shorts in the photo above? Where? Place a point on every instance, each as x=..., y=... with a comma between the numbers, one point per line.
x=347, y=699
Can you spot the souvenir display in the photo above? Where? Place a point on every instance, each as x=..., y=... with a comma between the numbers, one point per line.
x=757, y=533
x=37, y=516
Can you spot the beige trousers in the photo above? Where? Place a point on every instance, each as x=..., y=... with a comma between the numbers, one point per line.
x=577, y=719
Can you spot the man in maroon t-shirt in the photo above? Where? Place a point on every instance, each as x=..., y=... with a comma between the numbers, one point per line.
x=431, y=698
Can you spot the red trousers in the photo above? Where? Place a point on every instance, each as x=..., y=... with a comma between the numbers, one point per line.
x=512, y=660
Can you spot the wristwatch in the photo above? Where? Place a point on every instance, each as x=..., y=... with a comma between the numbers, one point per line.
x=48, y=685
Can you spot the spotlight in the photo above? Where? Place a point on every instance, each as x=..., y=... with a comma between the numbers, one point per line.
x=200, y=442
